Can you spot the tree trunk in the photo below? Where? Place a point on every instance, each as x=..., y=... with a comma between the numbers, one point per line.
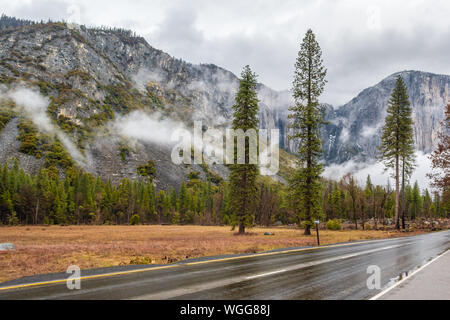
x=36, y=212
x=362, y=217
x=375, y=216
x=397, y=193
x=403, y=195
x=375, y=219
x=403, y=221
x=244, y=206
x=308, y=183
x=307, y=230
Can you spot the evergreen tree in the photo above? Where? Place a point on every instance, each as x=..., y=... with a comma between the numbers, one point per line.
x=173, y=199
x=183, y=202
x=336, y=201
x=437, y=204
x=427, y=202
x=349, y=183
x=152, y=201
x=440, y=163
x=397, y=139
x=161, y=206
x=370, y=196
x=306, y=116
x=409, y=201
x=243, y=176
x=380, y=196
x=225, y=210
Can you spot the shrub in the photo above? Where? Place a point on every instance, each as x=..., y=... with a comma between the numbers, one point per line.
x=47, y=221
x=57, y=156
x=193, y=175
x=175, y=218
x=194, y=179
x=141, y=260
x=211, y=175
x=28, y=138
x=122, y=98
x=92, y=217
x=13, y=220
x=124, y=153
x=135, y=220
x=334, y=224
x=304, y=224
x=44, y=87
x=84, y=76
x=147, y=170
x=5, y=117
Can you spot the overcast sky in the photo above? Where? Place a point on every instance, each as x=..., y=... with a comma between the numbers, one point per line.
x=362, y=41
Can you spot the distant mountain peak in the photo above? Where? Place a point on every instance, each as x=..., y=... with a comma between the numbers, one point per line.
x=355, y=127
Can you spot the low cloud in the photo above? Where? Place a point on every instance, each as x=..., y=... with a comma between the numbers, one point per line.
x=144, y=76
x=34, y=106
x=146, y=127
x=368, y=132
x=344, y=136
x=377, y=174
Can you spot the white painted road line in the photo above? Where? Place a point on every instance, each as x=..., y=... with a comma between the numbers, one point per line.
x=265, y=274
x=406, y=278
x=346, y=256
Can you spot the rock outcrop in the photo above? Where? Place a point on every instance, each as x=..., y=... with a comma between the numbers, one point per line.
x=354, y=129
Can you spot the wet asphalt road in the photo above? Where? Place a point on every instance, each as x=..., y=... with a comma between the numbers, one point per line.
x=336, y=272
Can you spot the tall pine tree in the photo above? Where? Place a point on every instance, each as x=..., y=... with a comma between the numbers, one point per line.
x=396, y=149
x=306, y=120
x=243, y=188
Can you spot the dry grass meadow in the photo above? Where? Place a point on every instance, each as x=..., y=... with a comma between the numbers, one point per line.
x=46, y=249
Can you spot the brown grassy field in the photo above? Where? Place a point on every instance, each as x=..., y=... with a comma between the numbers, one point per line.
x=46, y=249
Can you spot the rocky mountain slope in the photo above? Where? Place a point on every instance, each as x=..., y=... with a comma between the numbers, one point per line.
x=91, y=77
x=354, y=129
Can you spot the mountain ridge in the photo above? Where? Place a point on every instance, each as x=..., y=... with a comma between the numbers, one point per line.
x=91, y=76
x=363, y=116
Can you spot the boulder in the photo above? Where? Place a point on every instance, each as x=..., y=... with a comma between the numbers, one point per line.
x=6, y=246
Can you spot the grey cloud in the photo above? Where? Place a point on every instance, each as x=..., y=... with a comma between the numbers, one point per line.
x=358, y=51
x=41, y=10
x=358, y=62
x=179, y=34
